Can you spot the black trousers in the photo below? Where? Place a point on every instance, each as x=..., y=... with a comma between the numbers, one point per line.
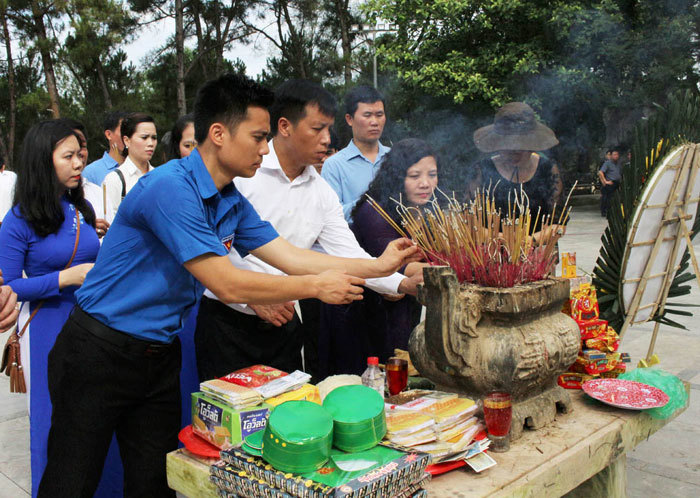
x=227, y=340
x=607, y=192
x=102, y=382
x=311, y=316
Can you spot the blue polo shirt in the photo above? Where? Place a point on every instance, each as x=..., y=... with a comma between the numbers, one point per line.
x=350, y=173
x=96, y=171
x=172, y=215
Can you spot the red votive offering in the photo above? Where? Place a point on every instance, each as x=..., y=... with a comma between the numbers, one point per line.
x=396, y=375
x=498, y=413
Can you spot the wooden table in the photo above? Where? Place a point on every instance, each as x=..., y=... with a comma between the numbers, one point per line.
x=584, y=451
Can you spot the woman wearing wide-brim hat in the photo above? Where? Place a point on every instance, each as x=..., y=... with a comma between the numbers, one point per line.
x=512, y=164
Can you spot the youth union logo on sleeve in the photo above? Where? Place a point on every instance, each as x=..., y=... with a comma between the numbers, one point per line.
x=227, y=242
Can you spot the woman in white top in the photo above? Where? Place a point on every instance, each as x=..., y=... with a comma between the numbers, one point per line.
x=140, y=139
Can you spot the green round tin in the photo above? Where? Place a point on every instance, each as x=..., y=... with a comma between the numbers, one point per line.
x=359, y=422
x=298, y=437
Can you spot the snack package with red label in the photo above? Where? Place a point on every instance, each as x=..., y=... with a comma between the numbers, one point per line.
x=608, y=341
x=612, y=374
x=572, y=380
x=255, y=376
x=592, y=328
x=593, y=365
x=584, y=304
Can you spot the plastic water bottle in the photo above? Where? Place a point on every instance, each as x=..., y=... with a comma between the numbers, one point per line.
x=373, y=377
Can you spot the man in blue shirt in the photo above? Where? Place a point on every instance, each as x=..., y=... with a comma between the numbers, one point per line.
x=351, y=170
x=115, y=365
x=96, y=171
x=610, y=175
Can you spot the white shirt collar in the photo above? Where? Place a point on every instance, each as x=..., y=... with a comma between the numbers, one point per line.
x=129, y=168
x=272, y=163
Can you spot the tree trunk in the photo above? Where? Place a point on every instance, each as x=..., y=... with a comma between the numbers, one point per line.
x=10, y=147
x=344, y=20
x=47, y=62
x=103, y=83
x=217, y=60
x=194, y=4
x=222, y=37
x=3, y=151
x=296, y=42
x=180, y=56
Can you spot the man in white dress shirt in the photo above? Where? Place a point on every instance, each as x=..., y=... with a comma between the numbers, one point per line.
x=7, y=190
x=288, y=192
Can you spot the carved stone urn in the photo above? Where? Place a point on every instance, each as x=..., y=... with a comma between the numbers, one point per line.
x=476, y=340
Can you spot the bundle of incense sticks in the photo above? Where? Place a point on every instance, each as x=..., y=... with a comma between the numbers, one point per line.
x=483, y=245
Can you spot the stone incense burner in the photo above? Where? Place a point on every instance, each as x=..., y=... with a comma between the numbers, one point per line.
x=476, y=340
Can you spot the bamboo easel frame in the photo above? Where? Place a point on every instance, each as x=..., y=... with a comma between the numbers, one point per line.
x=675, y=214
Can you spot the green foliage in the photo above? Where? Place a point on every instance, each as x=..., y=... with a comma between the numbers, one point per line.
x=311, y=50
x=33, y=101
x=670, y=126
x=584, y=65
x=160, y=94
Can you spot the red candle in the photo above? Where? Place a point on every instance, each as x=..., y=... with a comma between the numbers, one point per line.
x=498, y=413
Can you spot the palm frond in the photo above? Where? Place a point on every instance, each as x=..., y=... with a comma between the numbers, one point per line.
x=653, y=139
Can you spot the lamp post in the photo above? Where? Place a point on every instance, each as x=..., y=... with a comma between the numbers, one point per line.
x=380, y=27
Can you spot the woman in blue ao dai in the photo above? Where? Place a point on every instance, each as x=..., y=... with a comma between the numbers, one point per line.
x=38, y=236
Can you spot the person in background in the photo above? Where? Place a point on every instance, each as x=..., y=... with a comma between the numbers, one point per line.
x=350, y=171
x=610, y=175
x=333, y=147
x=138, y=131
x=288, y=193
x=513, y=166
x=8, y=179
x=181, y=142
x=96, y=171
x=38, y=238
x=93, y=193
x=377, y=325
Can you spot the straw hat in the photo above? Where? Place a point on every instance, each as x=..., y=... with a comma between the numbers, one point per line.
x=514, y=128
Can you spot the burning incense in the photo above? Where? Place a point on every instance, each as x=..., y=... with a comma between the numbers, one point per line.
x=104, y=200
x=483, y=245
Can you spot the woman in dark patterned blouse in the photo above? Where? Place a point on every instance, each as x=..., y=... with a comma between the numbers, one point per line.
x=378, y=324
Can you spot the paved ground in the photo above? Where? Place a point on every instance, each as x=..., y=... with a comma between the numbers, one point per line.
x=668, y=464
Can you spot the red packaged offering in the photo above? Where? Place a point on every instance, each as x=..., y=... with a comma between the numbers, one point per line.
x=254, y=376
x=592, y=366
x=608, y=342
x=584, y=304
x=572, y=380
x=592, y=328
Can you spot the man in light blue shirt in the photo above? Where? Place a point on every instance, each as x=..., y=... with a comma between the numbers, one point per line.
x=351, y=170
x=96, y=171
